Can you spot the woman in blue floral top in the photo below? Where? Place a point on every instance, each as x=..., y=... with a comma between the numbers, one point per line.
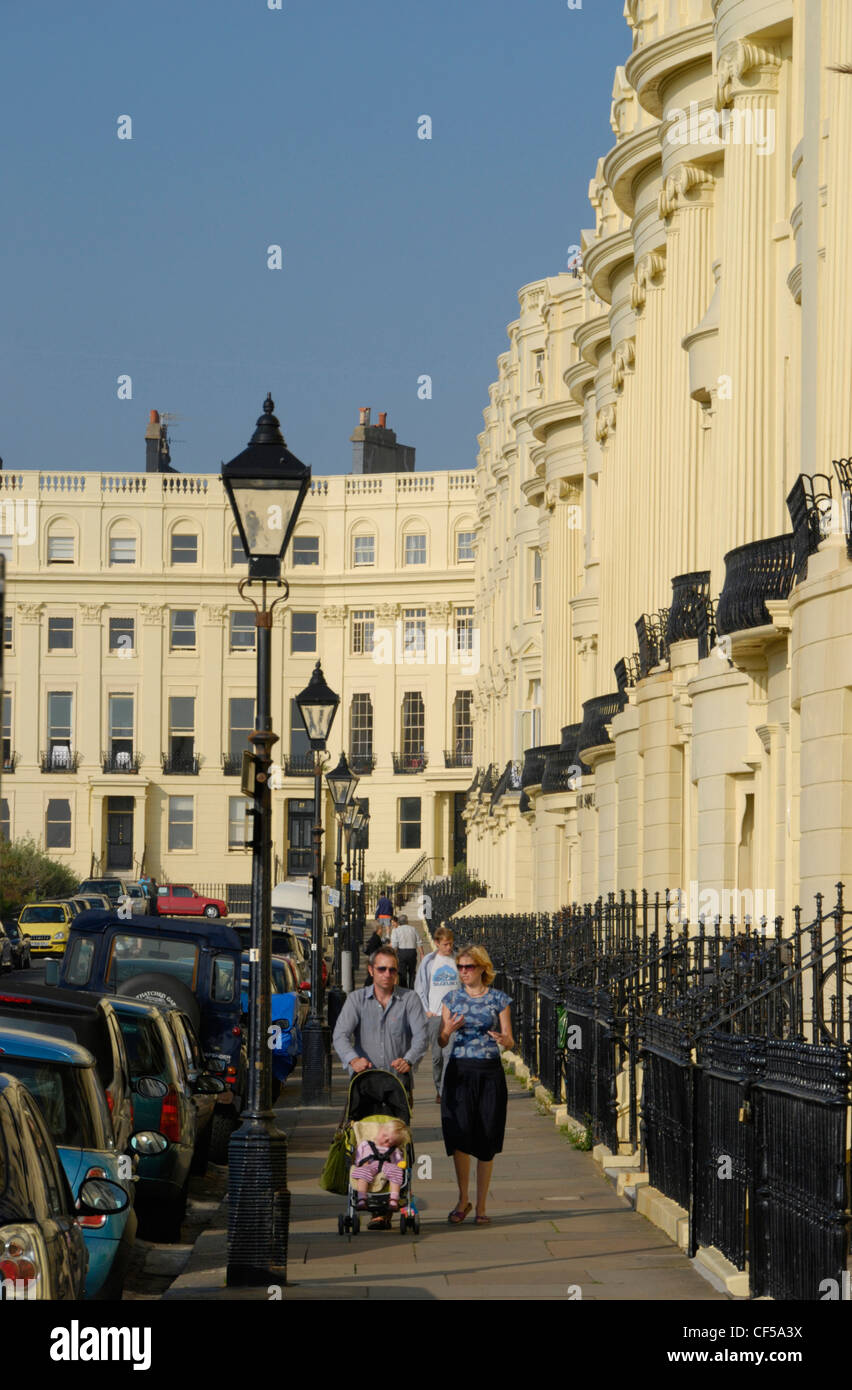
x=478, y=1020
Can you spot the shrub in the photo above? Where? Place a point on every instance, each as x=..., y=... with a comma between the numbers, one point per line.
x=27, y=873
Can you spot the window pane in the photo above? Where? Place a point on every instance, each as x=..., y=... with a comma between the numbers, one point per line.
x=415, y=550
x=6, y=546
x=363, y=627
x=60, y=550
x=184, y=548
x=464, y=545
x=300, y=744
x=409, y=822
x=240, y=724
x=58, y=825
x=414, y=630
x=122, y=634
x=183, y=627
x=243, y=631
x=361, y=726
x=303, y=634
x=462, y=723
x=464, y=629
x=60, y=634
x=238, y=555
x=365, y=550
x=413, y=722
x=305, y=550
x=5, y=820
x=121, y=716
x=238, y=829
x=59, y=715
x=180, y=822
x=182, y=713
x=7, y=632
x=122, y=550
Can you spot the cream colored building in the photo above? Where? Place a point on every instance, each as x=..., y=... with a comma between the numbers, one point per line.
x=130, y=668
x=649, y=419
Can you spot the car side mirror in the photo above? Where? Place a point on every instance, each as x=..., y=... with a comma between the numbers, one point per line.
x=51, y=972
x=208, y=1085
x=100, y=1197
x=146, y=1142
x=150, y=1087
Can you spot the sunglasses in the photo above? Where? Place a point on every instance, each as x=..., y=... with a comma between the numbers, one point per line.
x=385, y=970
x=469, y=967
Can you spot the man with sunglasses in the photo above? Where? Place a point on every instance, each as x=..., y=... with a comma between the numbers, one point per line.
x=381, y=1025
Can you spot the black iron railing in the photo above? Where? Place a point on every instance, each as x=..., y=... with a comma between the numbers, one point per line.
x=755, y=572
x=59, y=760
x=121, y=762
x=508, y=781
x=298, y=764
x=9, y=763
x=688, y=612
x=182, y=765
x=232, y=764
x=597, y=713
x=410, y=762
x=809, y=505
x=458, y=759
x=843, y=469
x=534, y=761
x=362, y=764
x=564, y=768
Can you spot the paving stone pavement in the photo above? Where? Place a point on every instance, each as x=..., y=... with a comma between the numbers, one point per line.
x=559, y=1229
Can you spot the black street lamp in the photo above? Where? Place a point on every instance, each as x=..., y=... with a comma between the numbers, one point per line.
x=342, y=783
x=317, y=706
x=360, y=915
x=266, y=486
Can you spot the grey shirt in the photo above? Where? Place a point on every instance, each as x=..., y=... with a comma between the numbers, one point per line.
x=381, y=1034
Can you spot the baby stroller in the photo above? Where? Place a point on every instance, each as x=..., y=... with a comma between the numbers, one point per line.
x=374, y=1098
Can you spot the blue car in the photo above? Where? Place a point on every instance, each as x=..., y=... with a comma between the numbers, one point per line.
x=285, y=1010
x=61, y=1076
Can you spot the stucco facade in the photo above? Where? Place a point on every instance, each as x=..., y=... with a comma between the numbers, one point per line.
x=651, y=417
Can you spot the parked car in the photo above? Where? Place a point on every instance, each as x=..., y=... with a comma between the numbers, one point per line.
x=89, y=1021
x=179, y=900
x=47, y=924
x=92, y=902
x=192, y=966
x=285, y=943
x=62, y=1078
x=288, y=1008
x=21, y=949
x=7, y=963
x=163, y=1178
x=202, y=1086
x=42, y=1249
x=116, y=891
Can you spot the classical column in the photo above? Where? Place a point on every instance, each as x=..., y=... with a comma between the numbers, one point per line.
x=747, y=482
x=564, y=502
x=834, y=415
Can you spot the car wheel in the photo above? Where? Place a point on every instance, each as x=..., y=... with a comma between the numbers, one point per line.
x=222, y=1127
x=162, y=989
x=201, y=1156
x=211, y=911
x=164, y=1220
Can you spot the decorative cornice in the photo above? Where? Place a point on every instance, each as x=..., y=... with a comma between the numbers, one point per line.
x=438, y=610
x=30, y=612
x=215, y=614
x=587, y=646
x=742, y=59
x=334, y=615
x=678, y=187
x=387, y=612
x=623, y=359
x=649, y=271
x=91, y=612
x=605, y=423
x=152, y=614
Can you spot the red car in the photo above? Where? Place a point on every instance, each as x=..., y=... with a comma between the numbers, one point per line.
x=178, y=899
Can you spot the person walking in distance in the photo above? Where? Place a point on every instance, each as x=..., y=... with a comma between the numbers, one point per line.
x=404, y=940
x=436, y=976
x=473, y=1102
x=384, y=912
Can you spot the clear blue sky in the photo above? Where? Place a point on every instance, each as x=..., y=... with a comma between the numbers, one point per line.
x=298, y=127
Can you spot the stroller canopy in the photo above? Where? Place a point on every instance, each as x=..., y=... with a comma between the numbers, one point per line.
x=376, y=1092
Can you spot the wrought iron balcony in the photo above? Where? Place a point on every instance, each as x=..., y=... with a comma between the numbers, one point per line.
x=9, y=762
x=755, y=572
x=182, y=765
x=534, y=760
x=232, y=764
x=509, y=781
x=653, y=645
x=298, y=765
x=410, y=762
x=597, y=713
x=564, y=768
x=690, y=596
x=121, y=762
x=459, y=759
x=809, y=505
x=60, y=760
x=362, y=764
x=843, y=469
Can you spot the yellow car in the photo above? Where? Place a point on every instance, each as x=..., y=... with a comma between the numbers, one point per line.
x=46, y=926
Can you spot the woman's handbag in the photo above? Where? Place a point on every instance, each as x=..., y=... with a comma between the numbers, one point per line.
x=335, y=1174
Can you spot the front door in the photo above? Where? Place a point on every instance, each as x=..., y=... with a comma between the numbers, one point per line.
x=119, y=848
x=459, y=828
x=300, y=823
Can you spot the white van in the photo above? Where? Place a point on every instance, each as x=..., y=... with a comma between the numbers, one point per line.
x=292, y=905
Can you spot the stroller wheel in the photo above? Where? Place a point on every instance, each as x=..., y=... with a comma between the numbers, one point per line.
x=402, y=1224
x=415, y=1221
x=356, y=1224
x=341, y=1225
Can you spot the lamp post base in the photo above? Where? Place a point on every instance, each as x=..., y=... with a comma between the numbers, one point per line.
x=316, y=1062
x=335, y=998
x=258, y=1203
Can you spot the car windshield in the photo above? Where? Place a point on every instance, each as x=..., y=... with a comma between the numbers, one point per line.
x=280, y=978
x=12, y=931
x=43, y=914
x=145, y=1051
x=137, y=955
x=65, y=1099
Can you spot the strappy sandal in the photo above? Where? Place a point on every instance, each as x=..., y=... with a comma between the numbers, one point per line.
x=394, y=1204
x=456, y=1217
x=482, y=1220
x=361, y=1204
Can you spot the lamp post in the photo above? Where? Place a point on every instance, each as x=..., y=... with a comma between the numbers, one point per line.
x=266, y=486
x=357, y=937
x=349, y=818
x=317, y=706
x=342, y=783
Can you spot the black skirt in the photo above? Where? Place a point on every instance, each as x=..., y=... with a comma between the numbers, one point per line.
x=473, y=1107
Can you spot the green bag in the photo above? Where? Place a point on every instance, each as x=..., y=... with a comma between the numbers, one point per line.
x=335, y=1174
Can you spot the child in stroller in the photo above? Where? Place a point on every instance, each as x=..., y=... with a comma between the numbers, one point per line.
x=377, y=1117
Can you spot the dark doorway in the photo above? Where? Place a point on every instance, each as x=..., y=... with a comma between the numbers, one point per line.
x=459, y=828
x=300, y=824
x=119, y=847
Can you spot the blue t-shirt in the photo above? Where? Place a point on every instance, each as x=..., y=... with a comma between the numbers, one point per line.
x=481, y=1017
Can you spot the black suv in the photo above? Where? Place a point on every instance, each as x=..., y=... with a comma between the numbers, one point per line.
x=174, y=963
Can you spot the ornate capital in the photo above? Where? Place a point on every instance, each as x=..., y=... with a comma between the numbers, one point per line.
x=622, y=115
x=152, y=614
x=91, y=612
x=30, y=612
x=741, y=60
x=215, y=614
x=438, y=611
x=648, y=274
x=587, y=646
x=334, y=615
x=387, y=612
x=605, y=423
x=622, y=362
x=678, y=189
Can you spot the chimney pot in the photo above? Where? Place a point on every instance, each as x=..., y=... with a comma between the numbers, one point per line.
x=154, y=417
x=383, y=419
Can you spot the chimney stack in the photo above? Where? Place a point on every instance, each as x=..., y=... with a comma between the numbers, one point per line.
x=374, y=447
x=157, y=456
